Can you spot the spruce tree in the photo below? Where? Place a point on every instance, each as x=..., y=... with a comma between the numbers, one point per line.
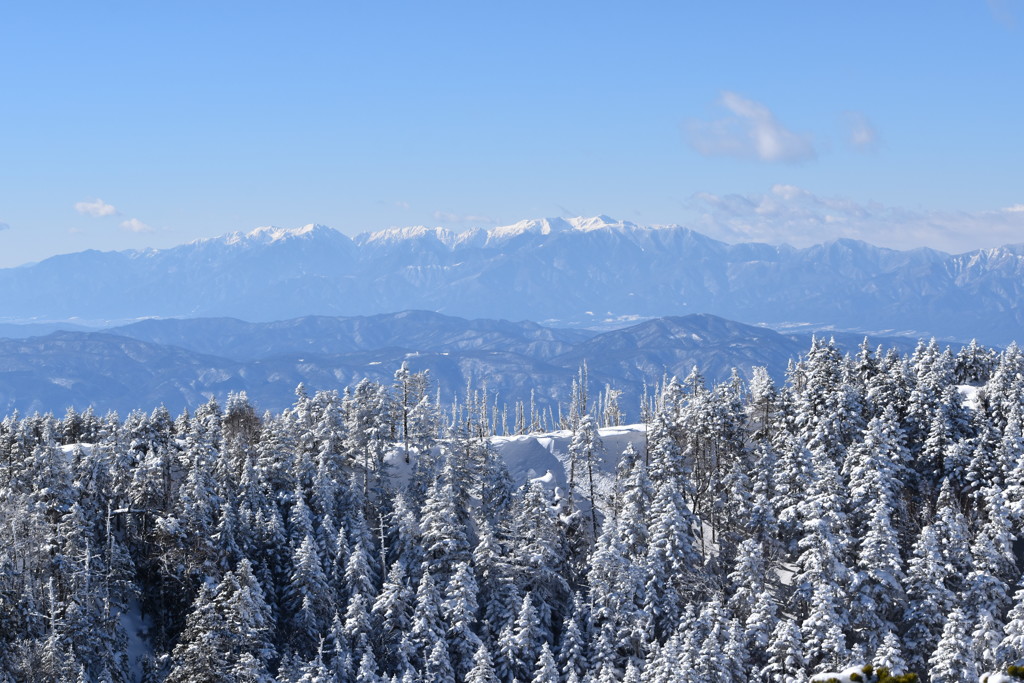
x=953, y=661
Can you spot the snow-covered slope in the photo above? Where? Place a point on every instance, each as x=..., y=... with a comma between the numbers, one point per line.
x=591, y=272
x=544, y=457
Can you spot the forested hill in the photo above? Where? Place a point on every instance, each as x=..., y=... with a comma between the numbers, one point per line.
x=582, y=272
x=183, y=363
x=866, y=510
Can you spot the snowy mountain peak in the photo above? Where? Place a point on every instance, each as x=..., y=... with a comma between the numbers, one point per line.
x=492, y=237
x=598, y=223
x=534, y=226
x=269, y=234
x=549, y=226
x=416, y=232
x=592, y=271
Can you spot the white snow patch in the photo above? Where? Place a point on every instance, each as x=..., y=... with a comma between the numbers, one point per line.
x=537, y=456
x=395, y=235
x=542, y=458
x=969, y=394
x=543, y=226
x=71, y=448
x=845, y=676
x=546, y=479
x=399, y=470
x=786, y=572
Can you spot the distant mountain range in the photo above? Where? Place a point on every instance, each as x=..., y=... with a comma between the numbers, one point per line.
x=181, y=363
x=590, y=273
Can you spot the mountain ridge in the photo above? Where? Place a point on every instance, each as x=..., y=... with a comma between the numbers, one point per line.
x=582, y=273
x=182, y=363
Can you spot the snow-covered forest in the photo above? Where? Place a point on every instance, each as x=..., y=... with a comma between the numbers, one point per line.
x=864, y=512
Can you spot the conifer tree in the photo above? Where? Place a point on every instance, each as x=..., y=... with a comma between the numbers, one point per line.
x=1011, y=648
x=459, y=610
x=392, y=615
x=483, y=670
x=573, y=655
x=616, y=595
x=890, y=655
x=929, y=599
x=228, y=631
x=519, y=644
x=672, y=566
x=307, y=599
x=878, y=581
x=443, y=524
x=586, y=452
x=427, y=627
x=952, y=661
x=546, y=672
x=786, y=662
x=438, y=668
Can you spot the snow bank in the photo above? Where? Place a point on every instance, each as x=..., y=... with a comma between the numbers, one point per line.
x=855, y=674
x=69, y=450
x=533, y=456
x=543, y=457
x=969, y=394
x=1000, y=678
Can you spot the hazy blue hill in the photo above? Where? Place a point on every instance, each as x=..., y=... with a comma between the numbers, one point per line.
x=675, y=345
x=419, y=330
x=109, y=372
x=21, y=331
x=181, y=363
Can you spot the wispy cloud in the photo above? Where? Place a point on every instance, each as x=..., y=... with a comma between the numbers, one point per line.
x=793, y=215
x=751, y=132
x=861, y=134
x=97, y=208
x=395, y=203
x=135, y=225
x=1003, y=13
x=448, y=218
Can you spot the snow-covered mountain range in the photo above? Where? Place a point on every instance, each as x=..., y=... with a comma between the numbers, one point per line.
x=581, y=272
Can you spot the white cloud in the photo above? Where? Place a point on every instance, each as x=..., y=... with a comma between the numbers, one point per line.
x=861, y=134
x=752, y=132
x=135, y=225
x=96, y=208
x=793, y=215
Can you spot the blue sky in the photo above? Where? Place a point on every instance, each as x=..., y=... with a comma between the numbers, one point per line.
x=136, y=124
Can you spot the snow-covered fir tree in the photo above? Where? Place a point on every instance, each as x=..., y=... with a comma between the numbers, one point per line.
x=861, y=510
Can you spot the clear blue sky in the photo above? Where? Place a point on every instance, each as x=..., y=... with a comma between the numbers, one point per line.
x=139, y=123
